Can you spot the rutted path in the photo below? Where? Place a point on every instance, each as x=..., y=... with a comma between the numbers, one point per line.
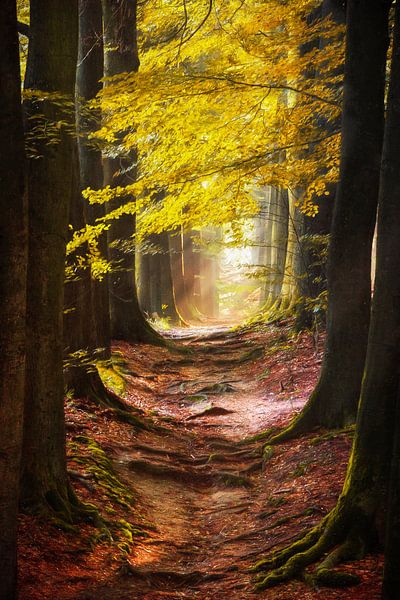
x=213, y=504
x=209, y=505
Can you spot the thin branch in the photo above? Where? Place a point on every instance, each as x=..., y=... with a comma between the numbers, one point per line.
x=23, y=29
x=270, y=86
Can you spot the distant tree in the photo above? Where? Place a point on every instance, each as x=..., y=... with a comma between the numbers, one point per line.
x=13, y=264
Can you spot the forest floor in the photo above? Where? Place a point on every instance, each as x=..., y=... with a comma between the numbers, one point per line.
x=191, y=502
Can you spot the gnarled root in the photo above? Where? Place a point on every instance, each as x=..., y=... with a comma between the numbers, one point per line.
x=337, y=534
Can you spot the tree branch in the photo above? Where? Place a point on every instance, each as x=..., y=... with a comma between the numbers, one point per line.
x=23, y=29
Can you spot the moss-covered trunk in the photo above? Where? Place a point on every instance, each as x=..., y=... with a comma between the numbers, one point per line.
x=13, y=262
x=334, y=401
x=50, y=74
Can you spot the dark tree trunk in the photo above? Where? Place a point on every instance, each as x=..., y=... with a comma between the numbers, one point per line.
x=51, y=68
x=156, y=290
x=387, y=286
x=89, y=74
x=191, y=272
x=356, y=523
x=81, y=376
x=13, y=262
x=121, y=55
x=313, y=281
x=334, y=401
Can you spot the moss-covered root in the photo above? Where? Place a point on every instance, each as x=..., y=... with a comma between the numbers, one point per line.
x=291, y=562
x=281, y=557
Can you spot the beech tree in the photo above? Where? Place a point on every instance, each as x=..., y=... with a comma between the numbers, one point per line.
x=355, y=525
x=13, y=263
x=121, y=56
x=89, y=76
x=334, y=401
x=50, y=89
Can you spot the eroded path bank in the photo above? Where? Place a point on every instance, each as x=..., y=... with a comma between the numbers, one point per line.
x=192, y=506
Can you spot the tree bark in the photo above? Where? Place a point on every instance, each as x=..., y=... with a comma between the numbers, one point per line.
x=334, y=401
x=89, y=75
x=184, y=308
x=121, y=55
x=13, y=263
x=51, y=69
x=356, y=524
x=156, y=289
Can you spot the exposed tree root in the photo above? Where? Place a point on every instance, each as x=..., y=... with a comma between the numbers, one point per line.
x=227, y=478
x=338, y=537
x=86, y=382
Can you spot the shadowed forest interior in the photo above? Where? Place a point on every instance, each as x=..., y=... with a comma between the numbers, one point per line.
x=199, y=307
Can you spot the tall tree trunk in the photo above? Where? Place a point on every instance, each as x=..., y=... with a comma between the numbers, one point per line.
x=282, y=248
x=355, y=524
x=120, y=56
x=13, y=263
x=181, y=297
x=264, y=239
x=89, y=75
x=334, y=401
x=155, y=277
x=51, y=69
x=312, y=282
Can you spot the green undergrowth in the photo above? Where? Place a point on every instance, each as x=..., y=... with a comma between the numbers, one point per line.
x=116, y=497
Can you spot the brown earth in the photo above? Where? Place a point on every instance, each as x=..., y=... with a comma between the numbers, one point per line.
x=193, y=503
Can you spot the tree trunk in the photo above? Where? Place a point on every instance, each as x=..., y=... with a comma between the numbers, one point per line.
x=282, y=247
x=89, y=74
x=265, y=244
x=51, y=68
x=156, y=290
x=355, y=525
x=121, y=55
x=13, y=262
x=334, y=401
x=312, y=282
x=181, y=297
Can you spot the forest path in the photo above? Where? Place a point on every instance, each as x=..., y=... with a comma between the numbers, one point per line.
x=216, y=503
x=188, y=506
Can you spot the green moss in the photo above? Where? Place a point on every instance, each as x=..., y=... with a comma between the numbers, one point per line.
x=98, y=464
x=112, y=375
x=267, y=454
x=330, y=435
x=334, y=578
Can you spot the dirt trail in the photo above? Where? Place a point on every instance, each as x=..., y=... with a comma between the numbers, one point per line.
x=215, y=505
